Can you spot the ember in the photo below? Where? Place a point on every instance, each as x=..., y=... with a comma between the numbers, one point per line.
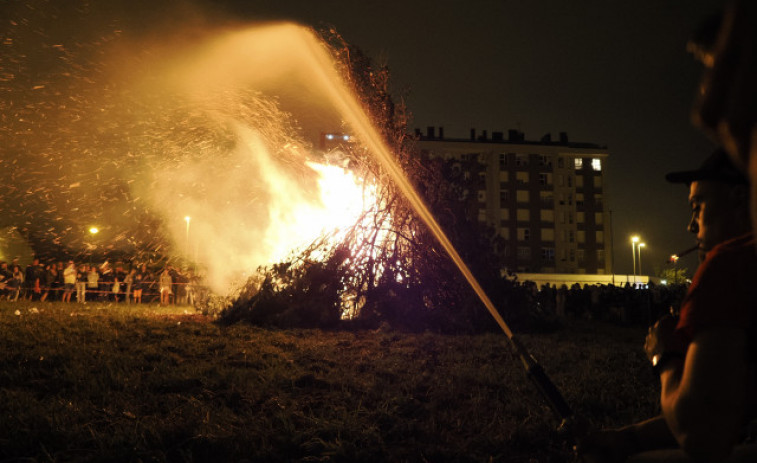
x=219, y=126
x=135, y=136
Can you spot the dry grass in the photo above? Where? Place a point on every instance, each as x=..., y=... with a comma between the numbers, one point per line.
x=126, y=383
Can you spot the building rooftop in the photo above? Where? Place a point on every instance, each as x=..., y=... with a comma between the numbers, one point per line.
x=513, y=137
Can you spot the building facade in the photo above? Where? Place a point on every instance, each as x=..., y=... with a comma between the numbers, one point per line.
x=547, y=199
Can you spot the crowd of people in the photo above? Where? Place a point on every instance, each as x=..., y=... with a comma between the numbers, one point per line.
x=68, y=281
x=626, y=304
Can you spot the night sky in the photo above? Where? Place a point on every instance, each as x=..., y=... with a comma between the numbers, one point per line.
x=607, y=72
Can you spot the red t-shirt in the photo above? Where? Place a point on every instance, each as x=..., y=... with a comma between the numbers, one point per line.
x=723, y=292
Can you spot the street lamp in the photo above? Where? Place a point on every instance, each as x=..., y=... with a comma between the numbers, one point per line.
x=187, y=219
x=641, y=245
x=93, y=231
x=634, y=240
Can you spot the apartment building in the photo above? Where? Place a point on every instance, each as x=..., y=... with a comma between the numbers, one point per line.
x=547, y=199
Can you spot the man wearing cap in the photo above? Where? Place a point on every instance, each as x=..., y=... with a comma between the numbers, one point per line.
x=706, y=359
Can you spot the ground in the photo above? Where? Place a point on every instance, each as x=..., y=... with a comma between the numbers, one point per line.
x=100, y=382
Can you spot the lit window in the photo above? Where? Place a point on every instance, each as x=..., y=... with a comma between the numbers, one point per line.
x=482, y=196
x=504, y=214
x=600, y=237
x=579, y=163
x=522, y=196
x=547, y=215
x=482, y=215
x=580, y=217
x=523, y=215
x=581, y=235
x=524, y=234
x=504, y=233
x=545, y=179
x=597, y=182
x=579, y=181
x=547, y=198
x=598, y=218
x=521, y=177
x=596, y=164
x=504, y=176
x=547, y=234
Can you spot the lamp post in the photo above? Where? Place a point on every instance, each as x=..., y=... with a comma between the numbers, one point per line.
x=641, y=245
x=93, y=231
x=634, y=240
x=187, y=219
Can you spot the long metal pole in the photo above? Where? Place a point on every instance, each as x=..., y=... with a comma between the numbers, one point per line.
x=633, y=258
x=187, y=219
x=641, y=272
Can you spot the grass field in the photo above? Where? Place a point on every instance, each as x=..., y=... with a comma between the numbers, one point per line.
x=103, y=382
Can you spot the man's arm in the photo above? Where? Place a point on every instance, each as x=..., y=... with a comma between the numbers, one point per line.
x=703, y=403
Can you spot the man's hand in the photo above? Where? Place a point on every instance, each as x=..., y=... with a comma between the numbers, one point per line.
x=662, y=338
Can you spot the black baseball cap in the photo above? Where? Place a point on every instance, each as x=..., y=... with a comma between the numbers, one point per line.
x=717, y=167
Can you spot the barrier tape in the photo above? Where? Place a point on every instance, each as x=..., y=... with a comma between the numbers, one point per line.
x=26, y=290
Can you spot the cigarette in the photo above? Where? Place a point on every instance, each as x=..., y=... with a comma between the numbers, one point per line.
x=687, y=251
